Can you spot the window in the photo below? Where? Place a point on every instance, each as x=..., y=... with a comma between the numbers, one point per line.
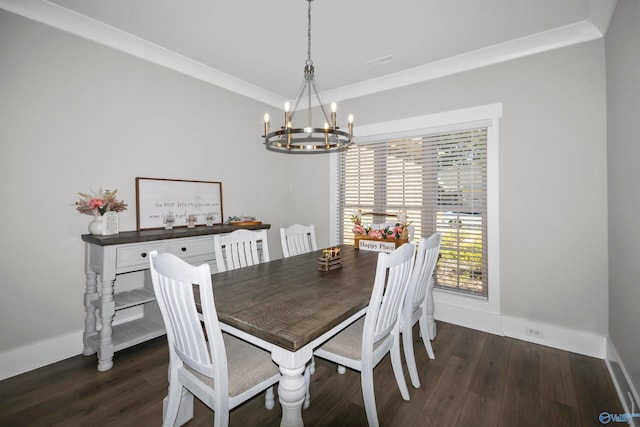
x=439, y=175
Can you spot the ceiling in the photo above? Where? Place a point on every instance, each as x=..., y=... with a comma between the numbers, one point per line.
x=258, y=47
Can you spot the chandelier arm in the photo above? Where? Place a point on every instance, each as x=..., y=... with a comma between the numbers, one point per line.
x=299, y=95
x=320, y=103
x=309, y=114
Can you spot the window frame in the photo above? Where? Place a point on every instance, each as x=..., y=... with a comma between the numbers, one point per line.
x=448, y=303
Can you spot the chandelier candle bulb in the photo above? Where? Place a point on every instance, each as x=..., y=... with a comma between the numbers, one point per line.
x=350, y=119
x=266, y=123
x=287, y=117
x=334, y=107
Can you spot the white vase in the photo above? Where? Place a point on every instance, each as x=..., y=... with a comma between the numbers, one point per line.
x=95, y=226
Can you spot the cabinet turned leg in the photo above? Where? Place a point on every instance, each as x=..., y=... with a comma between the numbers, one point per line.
x=107, y=311
x=90, y=295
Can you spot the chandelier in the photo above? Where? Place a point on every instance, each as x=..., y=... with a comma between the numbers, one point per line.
x=308, y=139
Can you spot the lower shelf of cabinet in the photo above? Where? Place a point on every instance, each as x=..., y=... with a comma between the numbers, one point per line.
x=130, y=298
x=130, y=333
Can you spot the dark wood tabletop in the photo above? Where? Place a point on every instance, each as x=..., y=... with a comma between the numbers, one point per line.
x=289, y=302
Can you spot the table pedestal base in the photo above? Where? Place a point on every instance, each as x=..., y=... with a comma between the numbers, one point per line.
x=291, y=393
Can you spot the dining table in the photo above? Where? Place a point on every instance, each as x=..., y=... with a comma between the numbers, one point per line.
x=290, y=306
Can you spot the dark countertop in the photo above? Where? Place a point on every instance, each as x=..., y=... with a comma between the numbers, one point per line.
x=161, y=234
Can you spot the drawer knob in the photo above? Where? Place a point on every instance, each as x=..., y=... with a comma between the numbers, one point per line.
x=184, y=249
x=143, y=254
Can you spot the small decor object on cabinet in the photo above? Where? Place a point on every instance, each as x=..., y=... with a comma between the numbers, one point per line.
x=110, y=223
x=97, y=204
x=209, y=220
x=330, y=260
x=96, y=226
x=191, y=221
x=243, y=220
x=169, y=220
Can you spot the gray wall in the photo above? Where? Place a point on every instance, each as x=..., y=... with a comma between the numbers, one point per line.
x=74, y=116
x=623, y=107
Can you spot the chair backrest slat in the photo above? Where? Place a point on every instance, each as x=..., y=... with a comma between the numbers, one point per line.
x=298, y=239
x=240, y=249
x=392, y=277
x=422, y=277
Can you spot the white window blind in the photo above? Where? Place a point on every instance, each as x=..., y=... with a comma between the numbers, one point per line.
x=441, y=180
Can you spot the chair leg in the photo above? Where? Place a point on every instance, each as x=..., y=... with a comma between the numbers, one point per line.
x=409, y=356
x=369, y=397
x=221, y=418
x=424, y=333
x=173, y=404
x=396, y=364
x=269, y=399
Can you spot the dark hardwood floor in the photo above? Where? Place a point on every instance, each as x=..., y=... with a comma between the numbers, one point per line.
x=477, y=379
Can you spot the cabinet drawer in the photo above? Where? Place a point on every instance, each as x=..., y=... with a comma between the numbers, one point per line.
x=138, y=255
x=192, y=247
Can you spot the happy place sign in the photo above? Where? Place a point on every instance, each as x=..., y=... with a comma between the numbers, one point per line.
x=377, y=246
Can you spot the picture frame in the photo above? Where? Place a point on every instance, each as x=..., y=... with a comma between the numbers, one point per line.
x=159, y=198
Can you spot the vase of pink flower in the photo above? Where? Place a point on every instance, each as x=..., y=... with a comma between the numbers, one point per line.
x=97, y=204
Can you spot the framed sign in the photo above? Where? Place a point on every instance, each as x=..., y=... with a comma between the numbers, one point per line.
x=160, y=199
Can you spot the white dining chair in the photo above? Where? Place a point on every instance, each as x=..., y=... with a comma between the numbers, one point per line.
x=363, y=344
x=240, y=248
x=298, y=239
x=219, y=369
x=414, y=309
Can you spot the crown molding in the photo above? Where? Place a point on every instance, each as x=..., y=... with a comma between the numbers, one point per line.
x=600, y=12
x=513, y=49
x=72, y=22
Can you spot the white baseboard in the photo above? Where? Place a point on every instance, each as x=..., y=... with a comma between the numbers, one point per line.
x=576, y=341
x=627, y=393
x=573, y=340
x=33, y=356
x=42, y=353
x=468, y=317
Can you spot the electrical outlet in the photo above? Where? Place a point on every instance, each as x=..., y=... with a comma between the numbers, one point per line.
x=533, y=332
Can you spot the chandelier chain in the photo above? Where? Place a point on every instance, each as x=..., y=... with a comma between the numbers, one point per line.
x=309, y=61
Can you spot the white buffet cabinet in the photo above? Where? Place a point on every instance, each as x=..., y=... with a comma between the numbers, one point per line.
x=109, y=258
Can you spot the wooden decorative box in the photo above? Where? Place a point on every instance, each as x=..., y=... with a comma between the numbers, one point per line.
x=378, y=245
x=330, y=260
